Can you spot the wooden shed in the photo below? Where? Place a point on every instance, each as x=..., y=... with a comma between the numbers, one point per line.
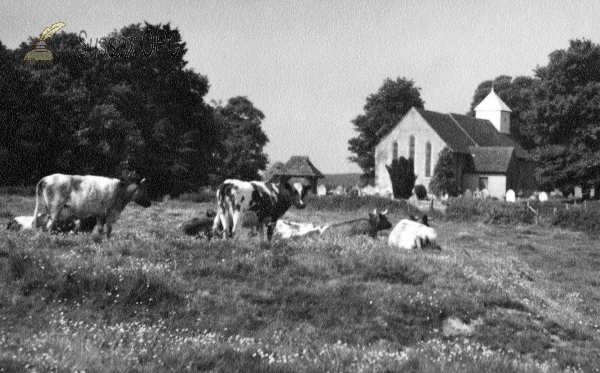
x=302, y=168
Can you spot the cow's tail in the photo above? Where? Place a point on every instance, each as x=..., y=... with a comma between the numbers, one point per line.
x=37, y=196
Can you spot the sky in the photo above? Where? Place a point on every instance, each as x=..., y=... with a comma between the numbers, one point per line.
x=309, y=65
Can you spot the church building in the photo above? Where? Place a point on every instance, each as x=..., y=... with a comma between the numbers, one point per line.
x=487, y=157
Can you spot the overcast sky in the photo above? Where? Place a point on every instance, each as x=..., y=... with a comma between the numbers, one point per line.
x=310, y=65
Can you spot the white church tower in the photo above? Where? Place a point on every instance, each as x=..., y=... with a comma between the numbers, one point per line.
x=496, y=111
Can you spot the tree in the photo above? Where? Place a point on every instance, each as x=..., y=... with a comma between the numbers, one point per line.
x=567, y=123
x=518, y=94
x=382, y=112
x=270, y=172
x=402, y=175
x=243, y=139
x=445, y=178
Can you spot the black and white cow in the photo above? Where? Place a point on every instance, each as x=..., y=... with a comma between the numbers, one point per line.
x=269, y=201
x=73, y=197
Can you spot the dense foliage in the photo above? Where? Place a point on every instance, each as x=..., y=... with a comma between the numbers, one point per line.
x=383, y=110
x=556, y=114
x=104, y=106
x=445, y=178
x=402, y=175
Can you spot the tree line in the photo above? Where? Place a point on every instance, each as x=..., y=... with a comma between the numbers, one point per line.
x=97, y=110
x=555, y=115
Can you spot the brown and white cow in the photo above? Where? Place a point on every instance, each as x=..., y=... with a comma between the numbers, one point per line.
x=79, y=197
x=269, y=201
x=377, y=221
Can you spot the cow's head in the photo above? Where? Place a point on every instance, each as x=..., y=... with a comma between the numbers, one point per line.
x=140, y=195
x=379, y=221
x=297, y=193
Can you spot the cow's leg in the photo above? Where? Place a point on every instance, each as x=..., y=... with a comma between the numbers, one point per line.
x=110, y=220
x=223, y=217
x=237, y=220
x=270, y=230
x=99, y=224
x=260, y=230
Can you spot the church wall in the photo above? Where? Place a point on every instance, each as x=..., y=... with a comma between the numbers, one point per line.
x=496, y=184
x=411, y=124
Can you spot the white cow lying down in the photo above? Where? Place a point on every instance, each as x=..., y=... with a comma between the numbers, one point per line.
x=287, y=229
x=23, y=223
x=409, y=234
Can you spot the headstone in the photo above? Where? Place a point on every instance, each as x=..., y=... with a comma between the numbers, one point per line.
x=578, y=192
x=510, y=196
x=592, y=192
x=468, y=194
x=543, y=197
x=339, y=191
x=477, y=194
x=321, y=190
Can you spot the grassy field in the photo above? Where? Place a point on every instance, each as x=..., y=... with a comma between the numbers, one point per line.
x=496, y=299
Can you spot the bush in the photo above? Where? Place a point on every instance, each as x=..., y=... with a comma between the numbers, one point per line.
x=203, y=195
x=578, y=219
x=488, y=211
x=402, y=175
x=421, y=191
x=444, y=178
x=354, y=203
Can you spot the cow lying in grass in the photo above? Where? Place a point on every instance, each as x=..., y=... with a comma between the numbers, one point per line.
x=287, y=229
x=376, y=222
x=22, y=223
x=203, y=225
x=409, y=234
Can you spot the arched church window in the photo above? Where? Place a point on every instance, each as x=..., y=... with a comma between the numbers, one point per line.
x=428, y=159
x=395, y=150
x=411, y=148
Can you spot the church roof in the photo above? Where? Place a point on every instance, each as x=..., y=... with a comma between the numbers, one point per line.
x=491, y=159
x=299, y=166
x=461, y=132
x=492, y=102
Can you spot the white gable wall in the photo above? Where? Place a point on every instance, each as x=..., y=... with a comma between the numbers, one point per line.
x=411, y=124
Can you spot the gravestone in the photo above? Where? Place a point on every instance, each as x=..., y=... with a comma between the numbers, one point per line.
x=321, y=190
x=510, y=196
x=543, y=197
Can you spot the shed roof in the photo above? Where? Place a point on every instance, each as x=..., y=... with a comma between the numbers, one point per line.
x=299, y=166
x=491, y=159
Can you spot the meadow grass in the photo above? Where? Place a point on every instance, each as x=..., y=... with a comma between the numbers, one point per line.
x=503, y=299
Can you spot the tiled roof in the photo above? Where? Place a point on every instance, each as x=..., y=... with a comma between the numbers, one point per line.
x=491, y=159
x=447, y=129
x=461, y=132
x=299, y=166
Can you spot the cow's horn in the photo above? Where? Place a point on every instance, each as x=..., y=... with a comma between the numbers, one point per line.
x=384, y=212
x=143, y=180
